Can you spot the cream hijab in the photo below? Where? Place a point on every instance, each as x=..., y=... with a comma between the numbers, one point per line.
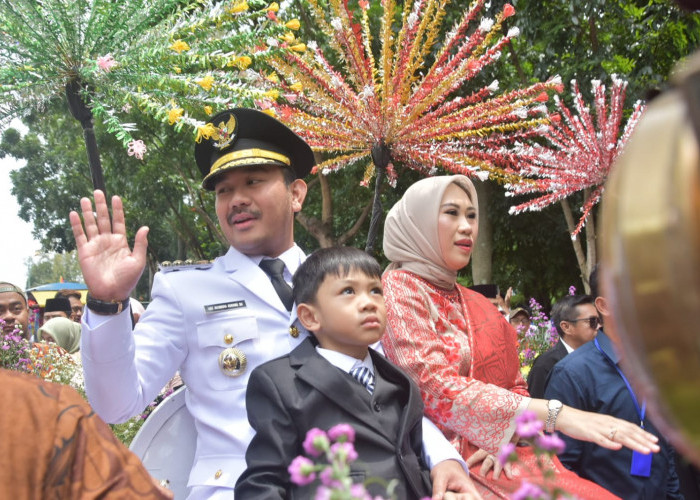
x=65, y=332
x=411, y=233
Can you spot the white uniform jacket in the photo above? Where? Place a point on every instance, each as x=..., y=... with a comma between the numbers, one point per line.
x=125, y=372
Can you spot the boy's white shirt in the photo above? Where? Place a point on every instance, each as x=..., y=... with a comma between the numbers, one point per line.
x=436, y=447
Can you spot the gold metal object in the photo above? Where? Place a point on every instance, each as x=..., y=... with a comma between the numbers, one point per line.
x=293, y=331
x=228, y=338
x=232, y=362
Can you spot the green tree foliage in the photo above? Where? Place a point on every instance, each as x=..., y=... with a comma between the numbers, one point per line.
x=51, y=268
x=154, y=55
x=640, y=40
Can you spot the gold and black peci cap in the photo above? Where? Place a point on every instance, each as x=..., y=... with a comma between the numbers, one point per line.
x=244, y=137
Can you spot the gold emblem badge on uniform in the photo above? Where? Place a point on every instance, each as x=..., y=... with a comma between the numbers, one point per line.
x=232, y=362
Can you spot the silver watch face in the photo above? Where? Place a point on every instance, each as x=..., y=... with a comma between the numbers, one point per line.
x=554, y=404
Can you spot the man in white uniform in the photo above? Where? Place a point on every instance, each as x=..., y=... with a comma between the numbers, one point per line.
x=213, y=322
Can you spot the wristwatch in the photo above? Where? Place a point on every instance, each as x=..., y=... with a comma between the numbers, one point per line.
x=554, y=406
x=106, y=308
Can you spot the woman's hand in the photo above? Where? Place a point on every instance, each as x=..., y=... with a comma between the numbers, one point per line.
x=488, y=462
x=606, y=431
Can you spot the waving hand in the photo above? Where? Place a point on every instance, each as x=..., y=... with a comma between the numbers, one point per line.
x=110, y=268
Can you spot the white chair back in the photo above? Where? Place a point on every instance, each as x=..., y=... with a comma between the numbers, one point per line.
x=166, y=443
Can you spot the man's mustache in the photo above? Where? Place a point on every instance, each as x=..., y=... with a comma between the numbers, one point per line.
x=236, y=212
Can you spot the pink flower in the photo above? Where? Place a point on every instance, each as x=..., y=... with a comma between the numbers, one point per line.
x=572, y=290
x=106, y=63
x=316, y=442
x=550, y=442
x=328, y=478
x=358, y=491
x=508, y=10
x=528, y=425
x=344, y=450
x=137, y=149
x=507, y=454
x=528, y=491
x=342, y=433
x=301, y=471
x=323, y=493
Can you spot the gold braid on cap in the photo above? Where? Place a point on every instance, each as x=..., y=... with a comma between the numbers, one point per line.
x=244, y=154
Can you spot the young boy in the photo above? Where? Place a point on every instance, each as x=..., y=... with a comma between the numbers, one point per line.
x=338, y=292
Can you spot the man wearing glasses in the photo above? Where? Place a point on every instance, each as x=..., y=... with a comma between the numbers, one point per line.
x=576, y=319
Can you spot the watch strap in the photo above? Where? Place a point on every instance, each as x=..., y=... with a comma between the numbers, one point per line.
x=106, y=308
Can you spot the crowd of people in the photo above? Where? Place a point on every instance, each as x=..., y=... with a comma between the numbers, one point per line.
x=424, y=370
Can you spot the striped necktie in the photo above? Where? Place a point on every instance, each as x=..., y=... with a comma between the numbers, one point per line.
x=364, y=376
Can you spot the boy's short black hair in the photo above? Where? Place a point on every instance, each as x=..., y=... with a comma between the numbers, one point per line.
x=338, y=261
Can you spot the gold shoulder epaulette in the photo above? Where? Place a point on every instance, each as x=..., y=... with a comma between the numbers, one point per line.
x=184, y=265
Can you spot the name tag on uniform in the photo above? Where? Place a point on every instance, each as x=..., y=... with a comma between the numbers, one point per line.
x=224, y=306
x=641, y=464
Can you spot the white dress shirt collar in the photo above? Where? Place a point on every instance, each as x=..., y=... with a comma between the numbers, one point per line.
x=569, y=349
x=343, y=361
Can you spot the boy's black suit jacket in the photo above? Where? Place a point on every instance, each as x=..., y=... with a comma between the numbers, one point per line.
x=290, y=395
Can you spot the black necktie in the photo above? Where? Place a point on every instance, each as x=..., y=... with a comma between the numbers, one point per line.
x=274, y=268
x=364, y=376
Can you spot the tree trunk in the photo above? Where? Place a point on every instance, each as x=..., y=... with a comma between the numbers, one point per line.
x=482, y=256
x=591, y=257
x=576, y=242
x=322, y=229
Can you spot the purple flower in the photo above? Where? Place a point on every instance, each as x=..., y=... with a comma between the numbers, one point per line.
x=358, y=491
x=323, y=493
x=344, y=451
x=572, y=290
x=507, y=454
x=528, y=491
x=316, y=442
x=5, y=347
x=328, y=478
x=342, y=433
x=528, y=425
x=301, y=471
x=550, y=442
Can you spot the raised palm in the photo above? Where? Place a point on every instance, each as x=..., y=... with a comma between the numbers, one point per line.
x=110, y=268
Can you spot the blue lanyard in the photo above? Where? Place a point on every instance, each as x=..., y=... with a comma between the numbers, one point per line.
x=640, y=411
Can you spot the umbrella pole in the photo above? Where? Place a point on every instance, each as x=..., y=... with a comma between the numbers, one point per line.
x=83, y=114
x=380, y=157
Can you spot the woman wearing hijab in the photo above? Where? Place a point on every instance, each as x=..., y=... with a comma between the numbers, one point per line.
x=463, y=353
x=63, y=332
